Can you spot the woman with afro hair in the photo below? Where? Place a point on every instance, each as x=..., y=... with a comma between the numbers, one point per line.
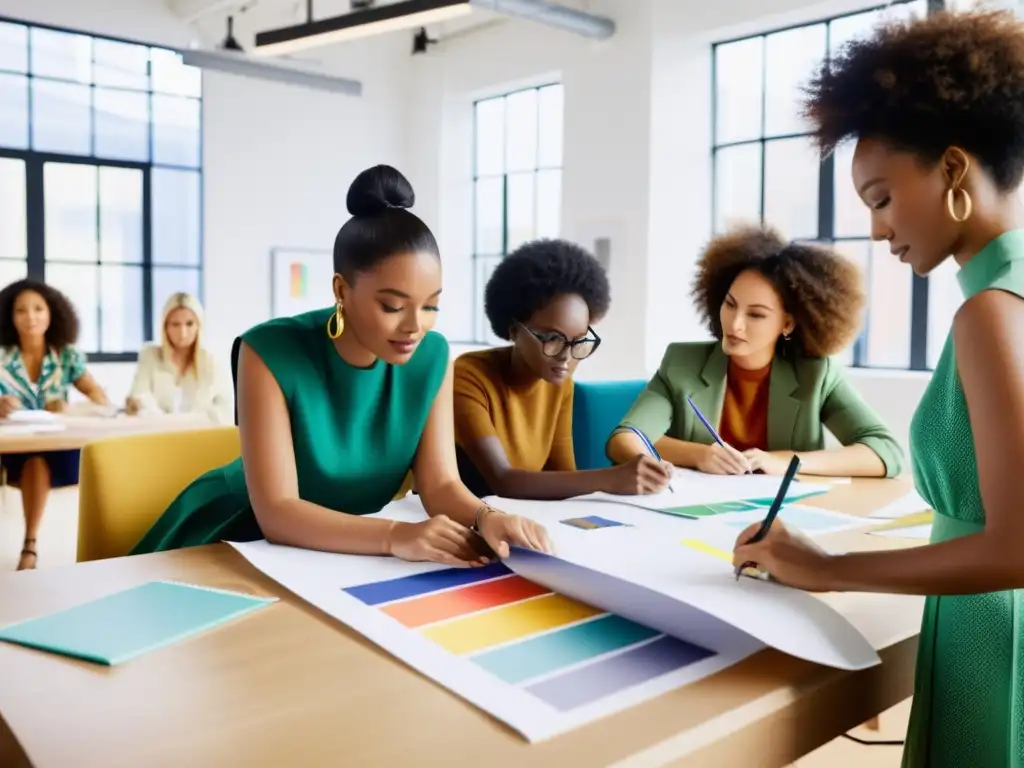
x=513, y=404
x=39, y=363
x=936, y=107
x=777, y=311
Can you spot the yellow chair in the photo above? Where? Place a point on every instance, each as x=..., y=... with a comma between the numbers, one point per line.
x=125, y=483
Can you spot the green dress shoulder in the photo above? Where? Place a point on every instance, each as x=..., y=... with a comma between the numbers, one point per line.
x=968, y=705
x=355, y=432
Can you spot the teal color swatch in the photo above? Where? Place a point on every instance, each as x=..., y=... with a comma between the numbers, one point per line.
x=126, y=624
x=562, y=648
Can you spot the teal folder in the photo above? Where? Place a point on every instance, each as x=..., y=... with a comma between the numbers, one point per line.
x=126, y=624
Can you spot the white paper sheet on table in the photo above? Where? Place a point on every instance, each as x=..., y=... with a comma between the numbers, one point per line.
x=690, y=488
x=701, y=620
x=904, y=505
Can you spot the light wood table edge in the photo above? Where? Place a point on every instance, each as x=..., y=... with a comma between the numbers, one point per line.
x=789, y=724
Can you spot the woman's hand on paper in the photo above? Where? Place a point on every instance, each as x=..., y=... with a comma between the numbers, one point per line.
x=716, y=460
x=132, y=406
x=502, y=531
x=438, y=540
x=640, y=475
x=8, y=405
x=788, y=556
x=769, y=463
x=55, y=406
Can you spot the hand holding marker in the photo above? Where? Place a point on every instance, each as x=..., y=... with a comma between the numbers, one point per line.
x=773, y=511
x=650, y=448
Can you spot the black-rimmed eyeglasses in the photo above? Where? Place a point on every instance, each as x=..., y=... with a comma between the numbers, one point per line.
x=553, y=344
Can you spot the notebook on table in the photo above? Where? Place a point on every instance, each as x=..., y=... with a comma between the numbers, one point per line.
x=121, y=626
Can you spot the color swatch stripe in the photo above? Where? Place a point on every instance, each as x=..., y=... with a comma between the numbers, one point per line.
x=464, y=600
x=590, y=522
x=379, y=592
x=508, y=623
x=615, y=674
x=707, y=549
x=563, y=648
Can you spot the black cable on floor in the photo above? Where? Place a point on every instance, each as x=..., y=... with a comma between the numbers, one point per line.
x=876, y=742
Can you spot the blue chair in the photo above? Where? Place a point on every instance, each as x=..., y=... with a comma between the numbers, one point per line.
x=598, y=407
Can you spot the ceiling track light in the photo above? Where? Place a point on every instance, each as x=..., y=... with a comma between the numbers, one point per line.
x=411, y=14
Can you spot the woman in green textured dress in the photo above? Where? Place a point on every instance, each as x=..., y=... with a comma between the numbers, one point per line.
x=937, y=109
x=336, y=406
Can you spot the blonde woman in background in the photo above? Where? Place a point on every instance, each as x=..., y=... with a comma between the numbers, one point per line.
x=178, y=375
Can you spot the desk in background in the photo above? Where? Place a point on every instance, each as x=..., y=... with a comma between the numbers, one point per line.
x=84, y=429
x=289, y=686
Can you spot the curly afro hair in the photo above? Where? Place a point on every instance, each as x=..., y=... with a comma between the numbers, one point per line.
x=818, y=287
x=951, y=79
x=537, y=272
x=63, y=330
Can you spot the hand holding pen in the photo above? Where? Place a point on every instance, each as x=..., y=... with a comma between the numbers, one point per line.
x=744, y=550
x=653, y=453
x=721, y=458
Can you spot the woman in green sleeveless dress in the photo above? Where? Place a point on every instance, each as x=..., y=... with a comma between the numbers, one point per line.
x=937, y=109
x=336, y=407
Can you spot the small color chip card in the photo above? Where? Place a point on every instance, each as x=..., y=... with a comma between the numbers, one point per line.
x=591, y=522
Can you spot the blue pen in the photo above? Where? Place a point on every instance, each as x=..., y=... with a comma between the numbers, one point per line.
x=705, y=422
x=650, y=447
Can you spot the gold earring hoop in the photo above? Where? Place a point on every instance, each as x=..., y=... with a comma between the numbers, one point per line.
x=339, y=323
x=951, y=204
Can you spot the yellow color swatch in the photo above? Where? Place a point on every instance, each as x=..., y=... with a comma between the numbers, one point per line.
x=908, y=521
x=707, y=549
x=510, y=622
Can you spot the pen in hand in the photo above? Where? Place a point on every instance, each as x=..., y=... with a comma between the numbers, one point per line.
x=773, y=511
x=712, y=431
x=650, y=449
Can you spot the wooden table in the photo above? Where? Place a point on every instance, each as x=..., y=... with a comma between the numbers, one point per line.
x=290, y=686
x=84, y=429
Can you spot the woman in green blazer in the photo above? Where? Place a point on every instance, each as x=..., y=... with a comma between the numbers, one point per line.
x=768, y=385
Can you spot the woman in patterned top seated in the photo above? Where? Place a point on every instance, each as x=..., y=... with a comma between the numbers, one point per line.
x=38, y=365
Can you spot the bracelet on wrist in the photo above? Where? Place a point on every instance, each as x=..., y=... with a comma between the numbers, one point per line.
x=479, y=517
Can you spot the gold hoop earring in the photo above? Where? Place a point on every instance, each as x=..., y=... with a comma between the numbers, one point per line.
x=951, y=205
x=339, y=323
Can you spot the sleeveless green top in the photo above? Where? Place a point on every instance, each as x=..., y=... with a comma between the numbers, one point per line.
x=969, y=693
x=355, y=432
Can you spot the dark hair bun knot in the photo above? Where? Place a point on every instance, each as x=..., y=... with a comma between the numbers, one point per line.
x=377, y=189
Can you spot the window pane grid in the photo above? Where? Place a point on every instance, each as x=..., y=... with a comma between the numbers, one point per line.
x=107, y=114
x=517, y=180
x=765, y=169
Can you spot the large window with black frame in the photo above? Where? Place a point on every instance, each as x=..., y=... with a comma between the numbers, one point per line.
x=100, y=178
x=517, y=180
x=767, y=169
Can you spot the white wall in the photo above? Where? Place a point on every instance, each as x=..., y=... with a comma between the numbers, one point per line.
x=636, y=166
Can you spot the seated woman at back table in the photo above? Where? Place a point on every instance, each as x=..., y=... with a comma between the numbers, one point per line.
x=38, y=365
x=335, y=407
x=513, y=404
x=178, y=375
x=767, y=384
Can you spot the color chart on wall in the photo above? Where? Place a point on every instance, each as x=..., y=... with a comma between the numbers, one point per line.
x=297, y=281
x=563, y=652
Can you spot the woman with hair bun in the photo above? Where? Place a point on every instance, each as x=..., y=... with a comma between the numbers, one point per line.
x=936, y=107
x=337, y=406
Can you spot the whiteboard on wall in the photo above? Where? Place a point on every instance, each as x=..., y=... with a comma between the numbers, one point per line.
x=300, y=280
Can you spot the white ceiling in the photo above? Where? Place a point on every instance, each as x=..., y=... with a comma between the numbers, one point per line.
x=209, y=16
